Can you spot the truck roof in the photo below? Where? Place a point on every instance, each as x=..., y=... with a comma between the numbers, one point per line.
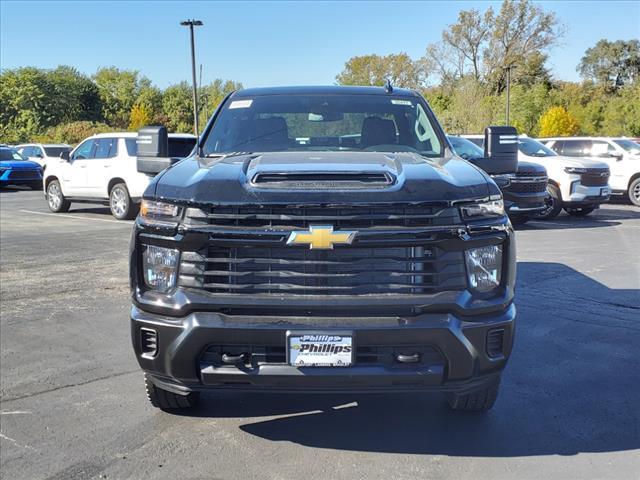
x=323, y=90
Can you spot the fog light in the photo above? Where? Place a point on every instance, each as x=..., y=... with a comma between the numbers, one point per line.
x=160, y=267
x=484, y=267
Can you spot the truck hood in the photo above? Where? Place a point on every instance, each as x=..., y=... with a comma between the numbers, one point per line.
x=321, y=178
x=561, y=160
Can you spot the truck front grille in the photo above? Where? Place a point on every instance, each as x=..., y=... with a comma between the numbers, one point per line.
x=596, y=178
x=344, y=216
x=25, y=175
x=342, y=271
x=528, y=184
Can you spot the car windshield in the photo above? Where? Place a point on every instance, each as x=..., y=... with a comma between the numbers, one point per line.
x=465, y=148
x=56, y=151
x=9, y=154
x=629, y=146
x=533, y=148
x=342, y=122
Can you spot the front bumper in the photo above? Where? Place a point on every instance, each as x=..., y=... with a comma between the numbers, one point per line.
x=463, y=360
x=581, y=195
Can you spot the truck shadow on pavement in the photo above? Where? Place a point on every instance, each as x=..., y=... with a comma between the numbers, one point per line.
x=571, y=386
x=609, y=217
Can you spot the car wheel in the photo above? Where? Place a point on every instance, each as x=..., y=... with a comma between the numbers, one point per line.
x=554, y=203
x=579, y=212
x=120, y=203
x=634, y=192
x=166, y=400
x=55, y=198
x=479, y=400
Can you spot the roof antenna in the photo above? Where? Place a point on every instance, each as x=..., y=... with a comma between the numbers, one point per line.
x=387, y=86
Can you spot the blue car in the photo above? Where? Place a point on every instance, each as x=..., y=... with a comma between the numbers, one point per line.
x=15, y=169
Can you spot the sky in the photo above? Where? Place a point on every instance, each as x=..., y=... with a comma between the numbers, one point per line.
x=266, y=43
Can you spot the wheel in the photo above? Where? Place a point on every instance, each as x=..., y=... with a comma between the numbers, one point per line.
x=35, y=185
x=519, y=219
x=634, y=192
x=55, y=198
x=480, y=400
x=554, y=203
x=166, y=400
x=120, y=202
x=579, y=212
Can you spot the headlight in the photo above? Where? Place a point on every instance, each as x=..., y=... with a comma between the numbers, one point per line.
x=575, y=170
x=492, y=208
x=159, y=214
x=484, y=267
x=160, y=267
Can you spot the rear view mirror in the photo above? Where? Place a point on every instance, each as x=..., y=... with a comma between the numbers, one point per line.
x=64, y=155
x=500, y=150
x=617, y=155
x=153, y=150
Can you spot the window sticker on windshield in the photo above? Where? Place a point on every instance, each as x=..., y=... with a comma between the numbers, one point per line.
x=401, y=102
x=240, y=104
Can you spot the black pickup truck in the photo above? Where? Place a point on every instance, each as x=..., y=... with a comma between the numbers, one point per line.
x=524, y=192
x=323, y=239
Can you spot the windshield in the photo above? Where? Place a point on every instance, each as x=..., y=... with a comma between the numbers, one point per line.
x=273, y=123
x=465, y=148
x=629, y=146
x=56, y=151
x=9, y=154
x=533, y=148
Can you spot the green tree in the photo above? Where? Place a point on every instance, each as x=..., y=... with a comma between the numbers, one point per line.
x=177, y=106
x=612, y=63
x=557, y=122
x=399, y=68
x=118, y=90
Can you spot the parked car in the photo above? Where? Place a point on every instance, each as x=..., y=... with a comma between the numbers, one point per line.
x=324, y=239
x=16, y=169
x=43, y=153
x=103, y=169
x=524, y=192
x=576, y=184
x=621, y=154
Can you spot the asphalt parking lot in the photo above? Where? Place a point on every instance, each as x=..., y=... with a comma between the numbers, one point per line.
x=72, y=402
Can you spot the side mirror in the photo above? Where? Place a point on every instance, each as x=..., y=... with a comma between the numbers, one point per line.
x=617, y=155
x=64, y=155
x=500, y=151
x=153, y=150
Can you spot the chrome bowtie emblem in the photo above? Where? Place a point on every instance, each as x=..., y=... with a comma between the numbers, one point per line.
x=321, y=237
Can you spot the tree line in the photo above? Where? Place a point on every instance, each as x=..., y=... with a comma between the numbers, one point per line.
x=64, y=105
x=463, y=76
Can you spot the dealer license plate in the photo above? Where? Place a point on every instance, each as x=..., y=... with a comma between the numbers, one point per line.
x=320, y=350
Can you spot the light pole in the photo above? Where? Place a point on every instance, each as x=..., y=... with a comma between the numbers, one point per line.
x=191, y=24
x=508, y=68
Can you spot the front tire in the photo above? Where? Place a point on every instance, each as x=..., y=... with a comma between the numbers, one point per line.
x=35, y=185
x=120, y=203
x=634, y=192
x=165, y=400
x=479, y=400
x=55, y=198
x=579, y=212
x=555, y=203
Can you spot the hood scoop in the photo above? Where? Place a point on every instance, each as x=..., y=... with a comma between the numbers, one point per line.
x=323, y=180
x=322, y=171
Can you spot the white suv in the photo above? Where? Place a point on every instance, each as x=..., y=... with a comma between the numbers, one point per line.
x=103, y=169
x=621, y=154
x=578, y=185
x=43, y=153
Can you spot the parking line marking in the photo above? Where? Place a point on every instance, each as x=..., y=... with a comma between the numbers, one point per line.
x=57, y=215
